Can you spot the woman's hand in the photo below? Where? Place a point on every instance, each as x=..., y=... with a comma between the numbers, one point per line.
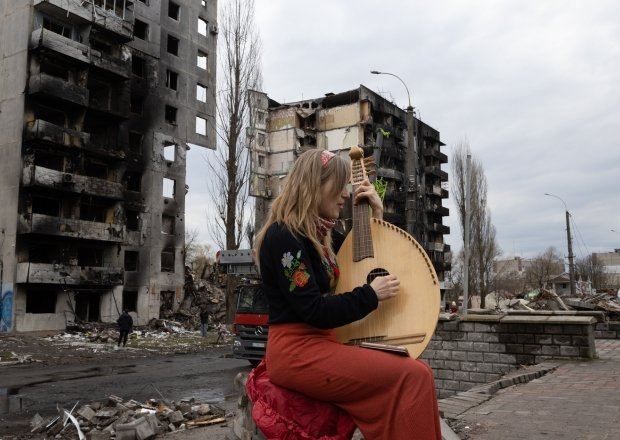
x=366, y=190
x=386, y=287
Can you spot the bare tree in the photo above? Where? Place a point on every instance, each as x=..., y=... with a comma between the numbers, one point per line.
x=591, y=268
x=482, y=238
x=198, y=257
x=239, y=67
x=543, y=267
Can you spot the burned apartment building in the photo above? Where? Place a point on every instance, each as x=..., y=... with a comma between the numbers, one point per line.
x=406, y=150
x=99, y=102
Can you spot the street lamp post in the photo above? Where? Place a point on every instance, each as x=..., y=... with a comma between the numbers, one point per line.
x=571, y=265
x=409, y=108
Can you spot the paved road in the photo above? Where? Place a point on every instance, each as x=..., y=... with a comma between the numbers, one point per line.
x=576, y=401
x=207, y=377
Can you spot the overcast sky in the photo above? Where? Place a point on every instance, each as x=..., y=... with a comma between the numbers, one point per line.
x=532, y=86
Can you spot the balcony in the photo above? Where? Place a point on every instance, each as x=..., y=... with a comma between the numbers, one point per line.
x=110, y=102
x=435, y=208
x=43, y=131
x=38, y=176
x=390, y=174
x=110, y=64
x=112, y=17
x=440, y=228
x=393, y=152
x=434, y=191
x=44, y=39
x=69, y=227
x=435, y=246
x=435, y=153
x=55, y=87
x=42, y=273
x=436, y=171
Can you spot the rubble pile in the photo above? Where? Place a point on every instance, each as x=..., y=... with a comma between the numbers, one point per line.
x=607, y=301
x=126, y=420
x=545, y=299
x=200, y=294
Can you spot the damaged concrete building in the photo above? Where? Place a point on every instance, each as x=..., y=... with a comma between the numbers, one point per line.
x=407, y=152
x=99, y=102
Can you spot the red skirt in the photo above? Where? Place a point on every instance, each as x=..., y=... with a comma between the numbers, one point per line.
x=390, y=397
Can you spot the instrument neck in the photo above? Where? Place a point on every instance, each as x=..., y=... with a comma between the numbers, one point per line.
x=362, y=236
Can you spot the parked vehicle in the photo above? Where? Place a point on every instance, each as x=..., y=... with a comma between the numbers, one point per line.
x=250, y=323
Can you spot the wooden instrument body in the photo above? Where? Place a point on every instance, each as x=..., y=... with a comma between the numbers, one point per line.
x=410, y=318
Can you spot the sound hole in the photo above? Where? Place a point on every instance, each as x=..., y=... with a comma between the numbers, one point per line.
x=379, y=272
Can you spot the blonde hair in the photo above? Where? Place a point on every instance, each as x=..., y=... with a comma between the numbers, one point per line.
x=297, y=206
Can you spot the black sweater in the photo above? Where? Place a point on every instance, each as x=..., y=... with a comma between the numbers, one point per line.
x=296, y=279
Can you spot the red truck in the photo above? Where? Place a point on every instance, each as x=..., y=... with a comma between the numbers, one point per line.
x=250, y=323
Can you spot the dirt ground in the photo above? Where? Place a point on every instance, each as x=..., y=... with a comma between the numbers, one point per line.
x=79, y=353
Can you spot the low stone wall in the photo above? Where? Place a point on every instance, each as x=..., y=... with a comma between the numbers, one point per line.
x=476, y=349
x=607, y=330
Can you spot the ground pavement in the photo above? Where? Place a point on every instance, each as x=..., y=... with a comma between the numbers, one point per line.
x=567, y=400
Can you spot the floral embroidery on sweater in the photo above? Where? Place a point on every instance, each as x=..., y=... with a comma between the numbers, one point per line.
x=295, y=270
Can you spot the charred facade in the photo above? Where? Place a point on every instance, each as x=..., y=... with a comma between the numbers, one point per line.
x=406, y=150
x=99, y=103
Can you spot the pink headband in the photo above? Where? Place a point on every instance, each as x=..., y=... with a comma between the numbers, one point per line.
x=326, y=156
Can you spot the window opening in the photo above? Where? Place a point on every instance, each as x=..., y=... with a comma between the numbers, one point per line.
x=133, y=180
x=40, y=301
x=173, y=45
x=174, y=11
x=136, y=104
x=168, y=188
x=135, y=142
x=202, y=27
x=171, y=114
x=87, y=306
x=167, y=224
x=93, y=211
x=201, y=93
x=130, y=300
x=45, y=206
x=167, y=260
x=201, y=126
x=58, y=27
x=90, y=257
x=202, y=60
x=133, y=220
x=131, y=261
x=140, y=29
x=138, y=66
x=172, y=79
x=169, y=150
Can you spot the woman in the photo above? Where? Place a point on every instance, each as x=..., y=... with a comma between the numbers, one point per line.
x=390, y=397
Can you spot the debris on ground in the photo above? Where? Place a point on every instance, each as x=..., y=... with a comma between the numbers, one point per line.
x=548, y=299
x=126, y=420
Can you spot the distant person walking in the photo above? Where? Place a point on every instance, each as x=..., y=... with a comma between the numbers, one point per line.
x=125, y=323
x=204, y=322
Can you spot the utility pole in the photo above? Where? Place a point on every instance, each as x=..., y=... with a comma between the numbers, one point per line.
x=571, y=257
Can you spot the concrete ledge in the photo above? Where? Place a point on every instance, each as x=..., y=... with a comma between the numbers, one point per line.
x=549, y=319
x=484, y=318
x=599, y=315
